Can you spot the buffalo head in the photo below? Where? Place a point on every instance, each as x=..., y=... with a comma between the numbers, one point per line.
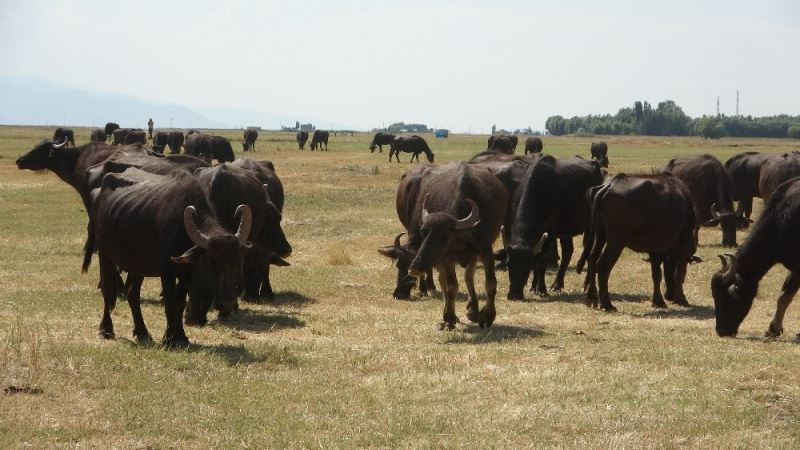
x=733, y=297
x=520, y=264
x=729, y=221
x=43, y=156
x=402, y=256
x=438, y=231
x=216, y=264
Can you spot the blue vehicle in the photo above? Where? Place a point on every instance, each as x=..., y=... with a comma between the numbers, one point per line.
x=441, y=133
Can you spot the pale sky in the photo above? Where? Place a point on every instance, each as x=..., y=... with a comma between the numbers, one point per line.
x=450, y=64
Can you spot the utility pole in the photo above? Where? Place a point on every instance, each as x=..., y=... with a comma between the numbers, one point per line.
x=170, y=122
x=717, y=105
x=737, y=103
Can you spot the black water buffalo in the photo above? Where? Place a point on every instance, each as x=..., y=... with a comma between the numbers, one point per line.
x=270, y=246
x=408, y=194
x=647, y=213
x=599, y=152
x=162, y=225
x=302, y=138
x=712, y=194
x=533, y=145
x=774, y=239
x=135, y=136
x=110, y=128
x=120, y=135
x=745, y=172
x=551, y=205
x=249, y=139
x=460, y=215
x=72, y=165
x=380, y=140
x=214, y=147
x=410, y=144
x=98, y=135
x=160, y=141
x=319, y=138
x=175, y=141
x=777, y=170
x=64, y=134
x=503, y=143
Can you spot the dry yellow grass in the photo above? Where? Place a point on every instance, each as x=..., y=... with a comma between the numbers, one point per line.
x=336, y=362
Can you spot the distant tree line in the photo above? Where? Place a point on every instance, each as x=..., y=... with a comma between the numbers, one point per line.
x=668, y=119
x=401, y=127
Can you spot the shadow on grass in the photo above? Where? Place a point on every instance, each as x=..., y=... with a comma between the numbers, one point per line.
x=259, y=322
x=291, y=298
x=231, y=355
x=473, y=334
x=698, y=312
x=579, y=297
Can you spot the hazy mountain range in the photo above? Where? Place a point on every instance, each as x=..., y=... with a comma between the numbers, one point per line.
x=34, y=101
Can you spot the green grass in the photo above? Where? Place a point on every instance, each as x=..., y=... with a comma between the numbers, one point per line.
x=336, y=362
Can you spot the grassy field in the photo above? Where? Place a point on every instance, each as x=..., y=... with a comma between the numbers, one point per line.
x=335, y=362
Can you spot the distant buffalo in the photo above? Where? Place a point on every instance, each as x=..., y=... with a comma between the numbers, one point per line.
x=98, y=135
x=110, y=128
x=504, y=143
x=175, y=141
x=134, y=136
x=410, y=144
x=600, y=153
x=64, y=134
x=212, y=147
x=320, y=137
x=533, y=145
x=380, y=140
x=249, y=140
x=302, y=137
x=160, y=141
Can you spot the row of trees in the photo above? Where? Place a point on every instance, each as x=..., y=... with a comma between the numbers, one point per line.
x=668, y=119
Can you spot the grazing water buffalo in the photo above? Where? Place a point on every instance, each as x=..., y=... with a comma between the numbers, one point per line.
x=410, y=144
x=504, y=143
x=776, y=170
x=270, y=246
x=249, y=140
x=110, y=128
x=406, y=203
x=533, y=145
x=302, y=137
x=98, y=135
x=380, y=140
x=647, y=213
x=64, y=134
x=175, y=141
x=163, y=225
x=460, y=215
x=135, y=136
x=214, y=147
x=774, y=239
x=552, y=205
x=160, y=141
x=712, y=194
x=745, y=172
x=319, y=138
x=599, y=152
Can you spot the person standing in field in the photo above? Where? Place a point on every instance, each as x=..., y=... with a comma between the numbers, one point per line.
x=150, y=127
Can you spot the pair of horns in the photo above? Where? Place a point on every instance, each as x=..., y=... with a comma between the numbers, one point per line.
x=63, y=143
x=472, y=219
x=201, y=240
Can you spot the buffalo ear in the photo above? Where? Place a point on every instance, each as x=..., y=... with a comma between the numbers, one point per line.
x=188, y=256
x=276, y=260
x=389, y=251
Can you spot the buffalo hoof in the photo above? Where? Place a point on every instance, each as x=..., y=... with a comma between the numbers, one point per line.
x=474, y=316
x=608, y=308
x=143, y=338
x=449, y=326
x=195, y=322
x=105, y=334
x=487, y=318
x=540, y=294
x=773, y=331
x=515, y=297
x=658, y=302
x=681, y=302
x=175, y=341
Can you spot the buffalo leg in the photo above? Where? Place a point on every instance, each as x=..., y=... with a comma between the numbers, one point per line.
x=538, y=286
x=790, y=286
x=472, y=303
x=566, y=256
x=675, y=267
x=426, y=283
x=108, y=286
x=174, y=304
x=266, y=286
x=449, y=283
x=604, y=265
x=488, y=312
x=655, y=270
x=134, y=295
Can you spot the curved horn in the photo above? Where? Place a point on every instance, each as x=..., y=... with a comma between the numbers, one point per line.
x=472, y=219
x=266, y=192
x=540, y=244
x=714, y=210
x=199, y=239
x=243, y=233
x=397, y=241
x=63, y=143
x=425, y=212
x=724, y=264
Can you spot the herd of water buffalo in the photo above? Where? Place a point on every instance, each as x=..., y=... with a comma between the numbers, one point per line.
x=211, y=232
